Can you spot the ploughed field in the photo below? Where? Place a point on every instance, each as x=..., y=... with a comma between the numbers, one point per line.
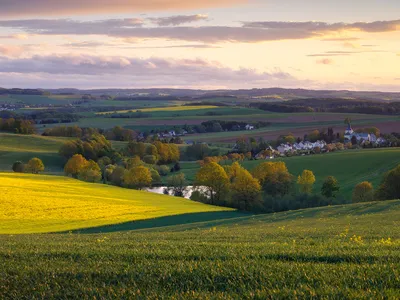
x=40, y=203
x=333, y=252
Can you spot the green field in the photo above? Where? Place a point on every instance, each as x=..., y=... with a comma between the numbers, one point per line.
x=350, y=167
x=33, y=204
x=14, y=147
x=339, y=252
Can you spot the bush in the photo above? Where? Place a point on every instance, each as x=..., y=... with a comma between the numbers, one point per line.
x=163, y=170
x=363, y=192
x=18, y=167
x=150, y=159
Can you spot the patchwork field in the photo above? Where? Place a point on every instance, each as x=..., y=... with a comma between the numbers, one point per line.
x=33, y=204
x=170, y=108
x=331, y=252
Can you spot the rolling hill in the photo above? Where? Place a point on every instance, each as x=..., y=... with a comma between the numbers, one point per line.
x=33, y=204
x=330, y=253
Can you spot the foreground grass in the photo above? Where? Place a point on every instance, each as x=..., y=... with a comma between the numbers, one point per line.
x=39, y=203
x=332, y=253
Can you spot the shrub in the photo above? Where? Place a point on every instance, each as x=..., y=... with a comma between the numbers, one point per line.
x=150, y=159
x=163, y=170
x=18, y=167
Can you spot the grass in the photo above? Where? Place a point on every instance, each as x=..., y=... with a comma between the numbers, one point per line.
x=33, y=204
x=350, y=167
x=329, y=253
x=14, y=147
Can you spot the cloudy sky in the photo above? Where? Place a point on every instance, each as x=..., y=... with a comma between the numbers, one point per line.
x=325, y=44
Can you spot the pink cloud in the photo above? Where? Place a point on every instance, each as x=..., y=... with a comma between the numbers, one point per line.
x=325, y=61
x=18, y=8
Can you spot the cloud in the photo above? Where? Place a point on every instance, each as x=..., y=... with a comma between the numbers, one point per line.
x=325, y=61
x=12, y=51
x=20, y=8
x=139, y=72
x=377, y=26
x=178, y=20
x=344, y=53
x=248, y=33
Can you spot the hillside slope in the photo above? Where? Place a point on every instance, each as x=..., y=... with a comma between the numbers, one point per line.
x=39, y=203
x=339, y=252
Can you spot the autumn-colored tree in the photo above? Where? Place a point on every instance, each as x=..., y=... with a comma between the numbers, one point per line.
x=274, y=178
x=363, y=192
x=133, y=162
x=306, y=181
x=330, y=187
x=215, y=180
x=246, y=190
x=233, y=170
x=136, y=149
x=74, y=165
x=390, y=186
x=314, y=136
x=91, y=172
x=248, y=155
x=138, y=177
x=35, y=165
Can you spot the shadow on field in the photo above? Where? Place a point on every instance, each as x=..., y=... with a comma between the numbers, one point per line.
x=194, y=219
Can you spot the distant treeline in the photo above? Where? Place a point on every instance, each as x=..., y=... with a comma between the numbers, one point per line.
x=17, y=126
x=331, y=105
x=4, y=91
x=145, y=98
x=115, y=134
x=211, y=103
x=52, y=117
x=220, y=125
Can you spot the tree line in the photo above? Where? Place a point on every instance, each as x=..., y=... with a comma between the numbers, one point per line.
x=271, y=188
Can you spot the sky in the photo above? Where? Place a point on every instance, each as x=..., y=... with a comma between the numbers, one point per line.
x=205, y=44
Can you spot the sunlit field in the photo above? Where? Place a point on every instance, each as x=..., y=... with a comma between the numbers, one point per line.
x=39, y=203
x=170, y=108
x=330, y=253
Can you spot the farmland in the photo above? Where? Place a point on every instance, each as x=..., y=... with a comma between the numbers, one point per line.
x=33, y=204
x=331, y=252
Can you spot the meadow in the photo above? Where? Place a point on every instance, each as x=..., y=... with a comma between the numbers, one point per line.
x=350, y=167
x=329, y=253
x=34, y=204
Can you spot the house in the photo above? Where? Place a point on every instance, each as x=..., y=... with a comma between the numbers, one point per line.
x=249, y=127
x=283, y=148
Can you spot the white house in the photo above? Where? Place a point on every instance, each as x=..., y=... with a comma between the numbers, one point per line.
x=249, y=127
x=283, y=148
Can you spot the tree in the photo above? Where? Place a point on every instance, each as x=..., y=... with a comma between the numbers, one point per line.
x=347, y=121
x=18, y=167
x=215, y=180
x=150, y=159
x=178, y=184
x=138, y=177
x=35, y=165
x=117, y=175
x=274, y=178
x=306, y=181
x=74, y=165
x=390, y=186
x=363, y=192
x=246, y=191
x=330, y=187
x=155, y=177
x=90, y=172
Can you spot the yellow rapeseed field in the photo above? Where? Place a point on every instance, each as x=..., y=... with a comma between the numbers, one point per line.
x=169, y=108
x=39, y=203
